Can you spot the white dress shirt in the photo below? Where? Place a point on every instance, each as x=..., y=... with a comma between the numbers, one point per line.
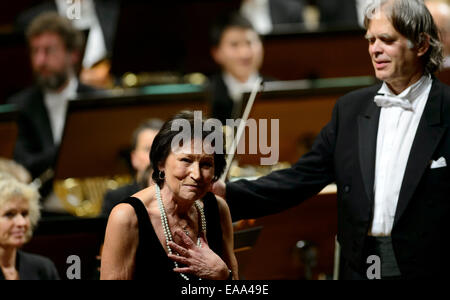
x=56, y=104
x=396, y=132
x=258, y=13
x=95, y=49
x=236, y=89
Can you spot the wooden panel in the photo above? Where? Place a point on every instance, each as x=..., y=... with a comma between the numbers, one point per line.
x=321, y=55
x=444, y=76
x=8, y=133
x=96, y=132
x=275, y=256
x=300, y=120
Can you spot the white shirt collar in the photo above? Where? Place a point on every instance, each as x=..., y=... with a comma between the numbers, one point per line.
x=56, y=104
x=412, y=92
x=237, y=88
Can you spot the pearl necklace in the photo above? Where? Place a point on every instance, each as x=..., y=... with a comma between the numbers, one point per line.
x=166, y=228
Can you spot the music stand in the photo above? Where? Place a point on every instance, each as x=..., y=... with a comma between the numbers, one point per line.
x=99, y=126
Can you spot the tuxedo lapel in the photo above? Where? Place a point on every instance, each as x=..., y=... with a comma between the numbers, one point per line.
x=42, y=119
x=367, y=144
x=428, y=135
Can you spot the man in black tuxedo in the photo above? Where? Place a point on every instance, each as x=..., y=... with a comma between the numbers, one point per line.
x=55, y=48
x=386, y=149
x=237, y=48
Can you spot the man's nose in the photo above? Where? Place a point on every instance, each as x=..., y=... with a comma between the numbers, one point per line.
x=375, y=48
x=39, y=57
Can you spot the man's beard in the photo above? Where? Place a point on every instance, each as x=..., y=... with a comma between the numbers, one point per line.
x=53, y=82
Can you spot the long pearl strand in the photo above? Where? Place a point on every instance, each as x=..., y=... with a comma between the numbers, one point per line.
x=166, y=228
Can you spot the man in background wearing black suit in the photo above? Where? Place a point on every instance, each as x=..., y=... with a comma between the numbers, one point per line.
x=238, y=50
x=98, y=20
x=386, y=148
x=55, y=49
x=142, y=141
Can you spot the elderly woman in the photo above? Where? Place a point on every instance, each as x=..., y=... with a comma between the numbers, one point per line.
x=175, y=229
x=19, y=214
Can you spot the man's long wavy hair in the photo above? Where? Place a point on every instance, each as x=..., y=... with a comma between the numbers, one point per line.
x=412, y=19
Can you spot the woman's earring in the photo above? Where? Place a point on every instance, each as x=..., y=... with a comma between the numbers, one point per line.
x=161, y=175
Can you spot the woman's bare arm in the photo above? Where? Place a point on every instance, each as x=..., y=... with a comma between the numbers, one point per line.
x=228, y=237
x=121, y=240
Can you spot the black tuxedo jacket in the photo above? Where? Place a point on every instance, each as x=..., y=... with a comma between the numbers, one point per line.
x=114, y=197
x=35, y=148
x=344, y=152
x=221, y=102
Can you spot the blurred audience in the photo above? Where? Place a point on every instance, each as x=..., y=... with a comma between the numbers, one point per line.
x=98, y=20
x=266, y=15
x=238, y=50
x=440, y=10
x=141, y=144
x=55, y=48
x=19, y=214
x=337, y=13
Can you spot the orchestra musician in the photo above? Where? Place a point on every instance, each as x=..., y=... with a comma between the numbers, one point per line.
x=55, y=48
x=98, y=20
x=142, y=140
x=238, y=50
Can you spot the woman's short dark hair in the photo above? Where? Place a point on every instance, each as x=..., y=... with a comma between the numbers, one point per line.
x=412, y=19
x=162, y=145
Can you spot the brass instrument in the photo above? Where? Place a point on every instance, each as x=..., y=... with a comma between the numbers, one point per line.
x=83, y=197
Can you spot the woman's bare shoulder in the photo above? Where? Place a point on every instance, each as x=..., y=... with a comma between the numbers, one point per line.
x=123, y=215
x=223, y=205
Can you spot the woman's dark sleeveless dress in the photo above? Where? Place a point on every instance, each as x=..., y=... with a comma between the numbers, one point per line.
x=151, y=259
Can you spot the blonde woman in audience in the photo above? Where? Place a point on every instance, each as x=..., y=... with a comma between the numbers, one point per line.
x=19, y=214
